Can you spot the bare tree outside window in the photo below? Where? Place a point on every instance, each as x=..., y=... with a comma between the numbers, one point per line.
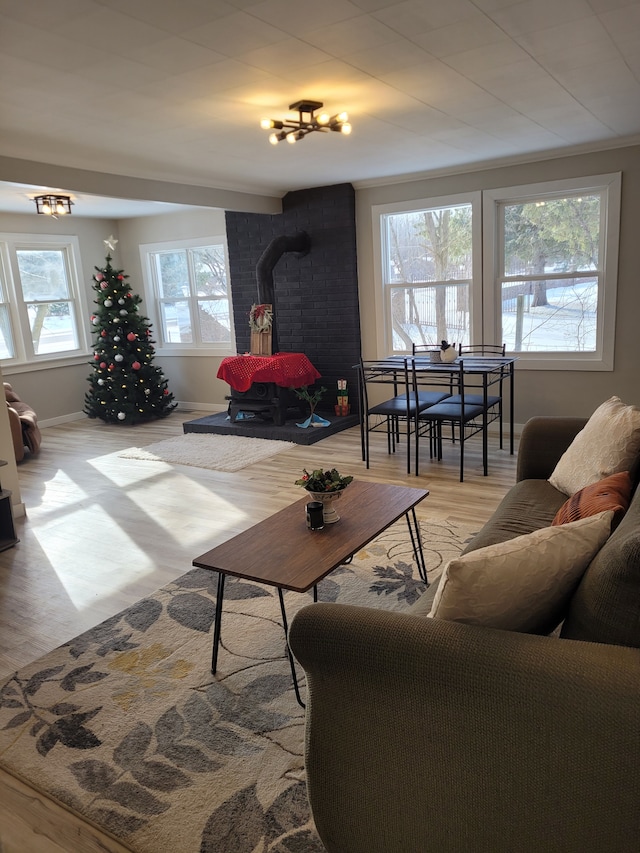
x=428, y=273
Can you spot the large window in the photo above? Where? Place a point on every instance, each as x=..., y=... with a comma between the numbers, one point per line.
x=189, y=282
x=552, y=270
x=430, y=266
x=536, y=270
x=41, y=299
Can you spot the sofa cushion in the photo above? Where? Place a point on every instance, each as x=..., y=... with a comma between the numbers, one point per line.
x=605, y=606
x=527, y=506
x=608, y=444
x=612, y=493
x=523, y=584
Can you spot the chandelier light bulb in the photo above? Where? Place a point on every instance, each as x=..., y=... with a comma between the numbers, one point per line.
x=266, y=124
x=344, y=117
x=291, y=137
x=274, y=138
x=346, y=128
x=324, y=118
x=47, y=208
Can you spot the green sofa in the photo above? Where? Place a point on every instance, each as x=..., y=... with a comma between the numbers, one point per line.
x=429, y=735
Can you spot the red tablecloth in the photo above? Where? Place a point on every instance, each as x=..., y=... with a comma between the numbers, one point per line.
x=288, y=369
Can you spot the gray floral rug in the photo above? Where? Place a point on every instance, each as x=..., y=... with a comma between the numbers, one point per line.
x=126, y=726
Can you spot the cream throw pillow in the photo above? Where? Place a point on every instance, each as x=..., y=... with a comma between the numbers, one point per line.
x=608, y=443
x=522, y=584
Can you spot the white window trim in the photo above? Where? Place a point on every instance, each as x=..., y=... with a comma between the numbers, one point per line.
x=610, y=185
x=384, y=336
x=152, y=297
x=23, y=362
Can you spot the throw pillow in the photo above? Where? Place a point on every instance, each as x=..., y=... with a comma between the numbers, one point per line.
x=612, y=493
x=523, y=584
x=608, y=444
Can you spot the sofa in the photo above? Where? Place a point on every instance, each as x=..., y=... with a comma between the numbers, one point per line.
x=429, y=734
x=23, y=421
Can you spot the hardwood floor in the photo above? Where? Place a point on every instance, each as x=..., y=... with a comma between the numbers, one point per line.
x=102, y=532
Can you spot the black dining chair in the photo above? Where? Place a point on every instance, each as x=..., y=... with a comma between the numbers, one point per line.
x=494, y=401
x=466, y=417
x=398, y=409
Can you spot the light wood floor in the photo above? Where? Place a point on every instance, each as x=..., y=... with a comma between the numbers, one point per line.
x=102, y=532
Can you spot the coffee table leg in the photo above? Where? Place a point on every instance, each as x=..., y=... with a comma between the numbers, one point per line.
x=291, y=660
x=416, y=541
x=217, y=622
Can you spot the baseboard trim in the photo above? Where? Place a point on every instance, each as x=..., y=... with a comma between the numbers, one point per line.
x=182, y=407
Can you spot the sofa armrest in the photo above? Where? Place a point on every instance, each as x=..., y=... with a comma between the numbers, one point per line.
x=542, y=443
x=426, y=735
x=16, y=433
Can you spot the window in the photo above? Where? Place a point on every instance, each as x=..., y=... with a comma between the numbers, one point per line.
x=430, y=270
x=550, y=283
x=188, y=281
x=536, y=270
x=41, y=300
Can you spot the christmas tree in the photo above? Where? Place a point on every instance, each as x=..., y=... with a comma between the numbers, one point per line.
x=125, y=386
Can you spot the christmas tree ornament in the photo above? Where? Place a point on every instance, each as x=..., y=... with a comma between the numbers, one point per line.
x=119, y=357
x=116, y=338
x=121, y=301
x=136, y=365
x=103, y=365
x=121, y=416
x=103, y=285
x=107, y=303
x=131, y=337
x=123, y=312
x=100, y=381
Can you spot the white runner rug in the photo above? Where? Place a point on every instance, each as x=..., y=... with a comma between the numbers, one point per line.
x=204, y=450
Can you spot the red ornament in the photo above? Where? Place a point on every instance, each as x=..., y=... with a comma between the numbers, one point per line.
x=131, y=336
x=103, y=285
x=103, y=364
x=112, y=367
x=99, y=276
x=96, y=356
x=136, y=365
x=103, y=333
x=120, y=278
x=166, y=391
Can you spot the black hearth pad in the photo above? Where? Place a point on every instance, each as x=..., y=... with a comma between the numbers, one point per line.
x=259, y=428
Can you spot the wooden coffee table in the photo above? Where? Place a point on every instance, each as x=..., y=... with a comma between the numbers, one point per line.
x=282, y=552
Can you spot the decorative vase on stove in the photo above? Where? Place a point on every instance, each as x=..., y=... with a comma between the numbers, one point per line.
x=329, y=513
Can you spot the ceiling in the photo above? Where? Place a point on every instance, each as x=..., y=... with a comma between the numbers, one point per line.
x=174, y=91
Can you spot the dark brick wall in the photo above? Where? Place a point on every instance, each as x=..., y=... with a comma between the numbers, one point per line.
x=316, y=296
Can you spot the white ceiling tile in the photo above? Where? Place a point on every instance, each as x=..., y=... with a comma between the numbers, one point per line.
x=297, y=18
x=110, y=32
x=533, y=15
x=493, y=57
x=386, y=58
x=413, y=17
x=235, y=34
x=176, y=55
x=476, y=31
x=173, y=17
x=352, y=36
x=274, y=56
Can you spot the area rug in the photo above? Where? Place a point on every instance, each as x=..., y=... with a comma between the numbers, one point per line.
x=126, y=726
x=217, y=452
x=256, y=427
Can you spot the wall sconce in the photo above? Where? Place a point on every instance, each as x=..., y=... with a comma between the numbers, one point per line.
x=294, y=129
x=53, y=205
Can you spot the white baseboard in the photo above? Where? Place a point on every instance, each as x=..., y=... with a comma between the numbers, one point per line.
x=182, y=407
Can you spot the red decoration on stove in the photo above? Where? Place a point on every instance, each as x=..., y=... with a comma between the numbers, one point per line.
x=287, y=369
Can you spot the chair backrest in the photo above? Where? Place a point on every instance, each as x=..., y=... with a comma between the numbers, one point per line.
x=378, y=372
x=482, y=349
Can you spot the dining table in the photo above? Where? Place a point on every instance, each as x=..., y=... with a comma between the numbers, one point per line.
x=488, y=369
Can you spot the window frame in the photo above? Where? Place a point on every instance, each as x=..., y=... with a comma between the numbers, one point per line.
x=494, y=201
x=196, y=347
x=24, y=357
x=381, y=262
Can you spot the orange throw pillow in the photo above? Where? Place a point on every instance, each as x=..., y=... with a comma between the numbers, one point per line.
x=614, y=492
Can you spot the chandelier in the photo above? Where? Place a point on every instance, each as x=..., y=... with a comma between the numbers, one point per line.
x=307, y=122
x=53, y=205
